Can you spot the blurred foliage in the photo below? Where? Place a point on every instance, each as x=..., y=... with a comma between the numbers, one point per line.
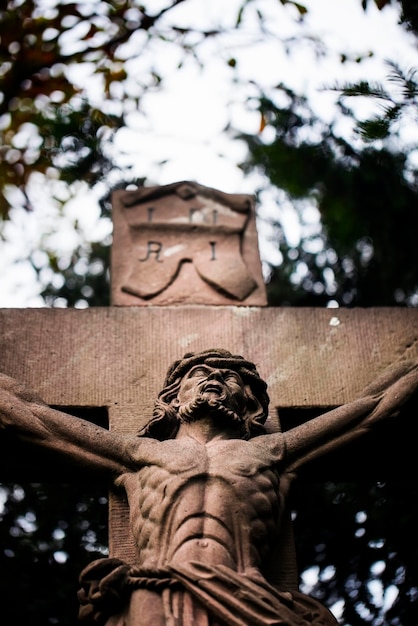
x=409, y=11
x=43, y=115
x=48, y=533
x=83, y=282
x=47, y=120
x=365, y=190
x=360, y=541
x=360, y=251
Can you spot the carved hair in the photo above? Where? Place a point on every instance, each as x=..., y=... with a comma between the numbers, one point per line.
x=165, y=422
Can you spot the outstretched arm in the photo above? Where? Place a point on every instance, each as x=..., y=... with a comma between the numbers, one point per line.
x=78, y=441
x=378, y=401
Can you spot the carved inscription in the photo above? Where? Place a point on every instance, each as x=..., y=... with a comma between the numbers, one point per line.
x=153, y=250
x=185, y=224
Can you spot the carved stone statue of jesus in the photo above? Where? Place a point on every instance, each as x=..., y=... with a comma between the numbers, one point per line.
x=206, y=487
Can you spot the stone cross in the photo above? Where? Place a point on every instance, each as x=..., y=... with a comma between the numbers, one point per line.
x=117, y=357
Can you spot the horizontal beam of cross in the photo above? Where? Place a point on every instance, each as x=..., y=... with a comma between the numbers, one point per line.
x=116, y=358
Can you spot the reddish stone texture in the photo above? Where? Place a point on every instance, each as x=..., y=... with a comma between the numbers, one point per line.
x=207, y=489
x=117, y=357
x=185, y=244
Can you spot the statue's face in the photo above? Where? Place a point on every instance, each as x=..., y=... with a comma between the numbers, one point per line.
x=223, y=386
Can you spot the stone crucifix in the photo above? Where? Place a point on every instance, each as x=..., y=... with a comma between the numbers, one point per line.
x=206, y=487
x=204, y=537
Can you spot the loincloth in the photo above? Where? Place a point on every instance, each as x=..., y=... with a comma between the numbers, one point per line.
x=232, y=598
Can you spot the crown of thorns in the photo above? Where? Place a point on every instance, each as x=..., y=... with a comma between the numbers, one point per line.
x=221, y=359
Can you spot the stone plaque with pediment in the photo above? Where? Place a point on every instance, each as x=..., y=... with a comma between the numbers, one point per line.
x=184, y=243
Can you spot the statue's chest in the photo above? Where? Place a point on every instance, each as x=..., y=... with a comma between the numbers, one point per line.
x=203, y=490
x=207, y=475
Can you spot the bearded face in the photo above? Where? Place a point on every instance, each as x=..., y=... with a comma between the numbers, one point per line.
x=209, y=390
x=206, y=390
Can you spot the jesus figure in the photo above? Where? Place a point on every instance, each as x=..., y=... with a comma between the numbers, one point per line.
x=206, y=487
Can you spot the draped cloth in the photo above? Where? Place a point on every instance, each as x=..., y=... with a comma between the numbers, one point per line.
x=196, y=594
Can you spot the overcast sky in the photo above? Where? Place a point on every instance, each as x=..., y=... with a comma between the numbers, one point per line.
x=183, y=125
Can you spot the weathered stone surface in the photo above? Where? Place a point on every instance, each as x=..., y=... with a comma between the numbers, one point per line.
x=116, y=357
x=185, y=244
x=207, y=490
x=312, y=359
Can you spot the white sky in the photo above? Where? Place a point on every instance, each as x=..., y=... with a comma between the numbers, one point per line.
x=187, y=122
x=184, y=124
